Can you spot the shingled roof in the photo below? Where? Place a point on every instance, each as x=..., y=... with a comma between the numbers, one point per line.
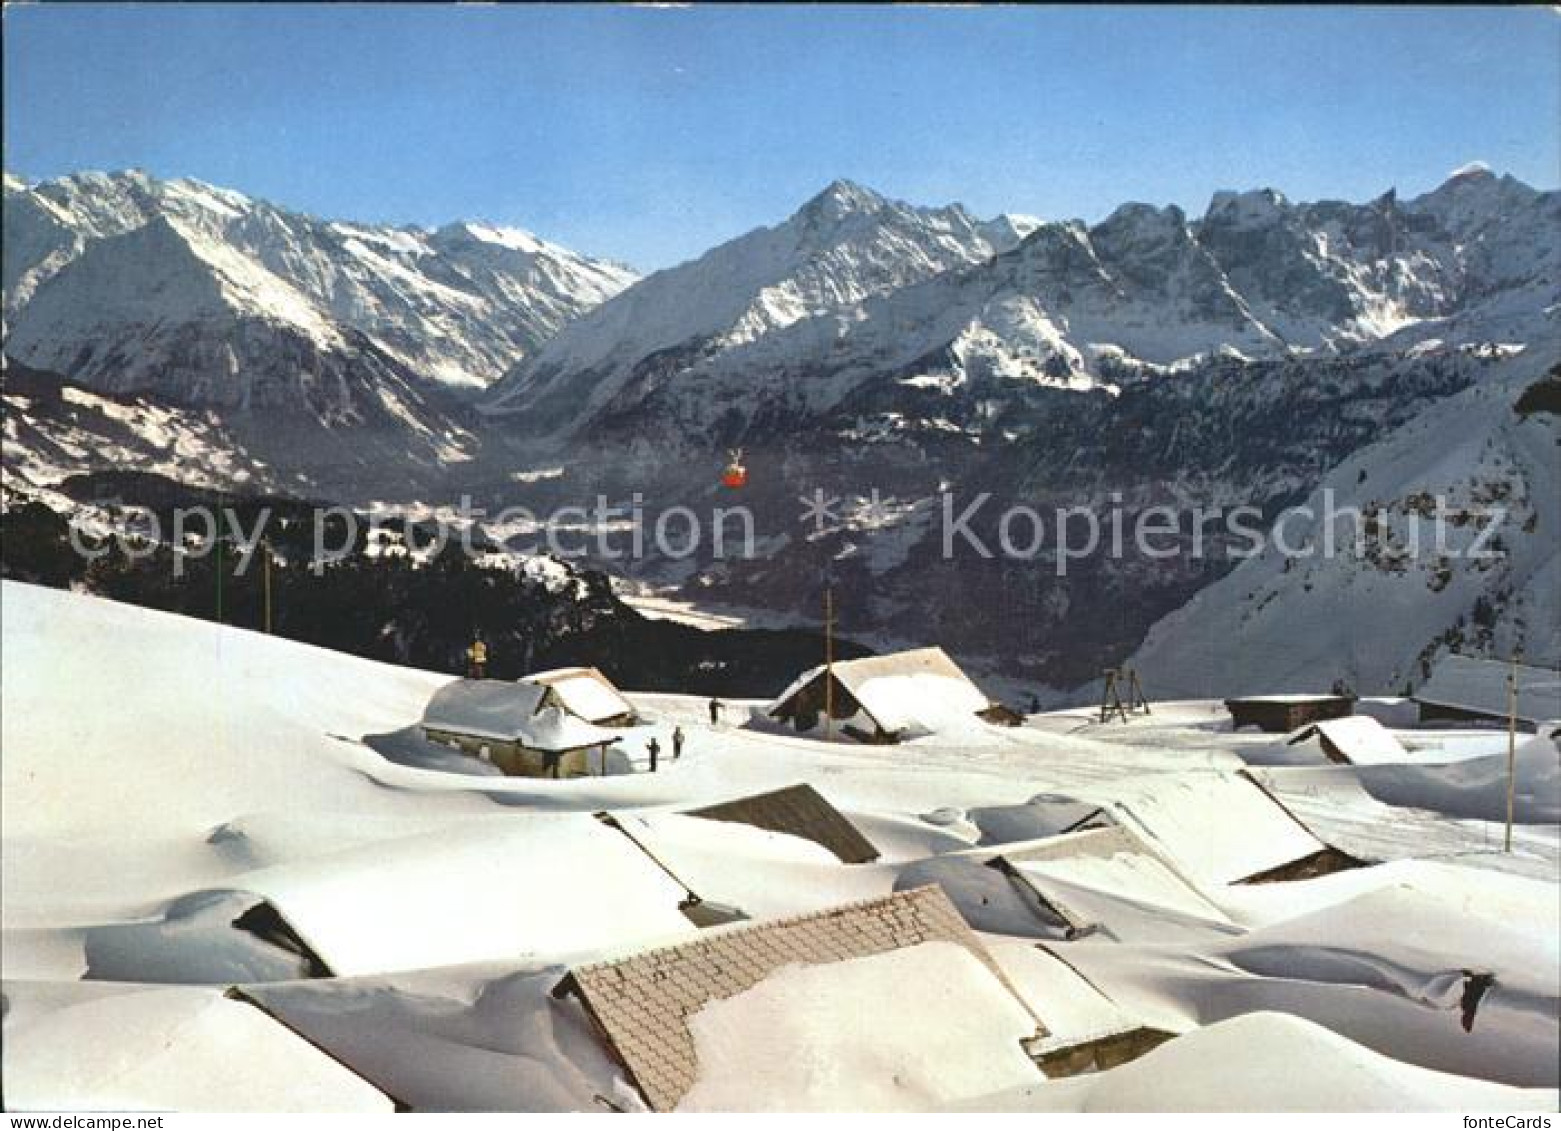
x=797, y=810
x=641, y=1004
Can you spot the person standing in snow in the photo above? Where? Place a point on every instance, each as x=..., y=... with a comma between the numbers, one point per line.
x=653, y=748
x=677, y=743
x=715, y=712
x=477, y=659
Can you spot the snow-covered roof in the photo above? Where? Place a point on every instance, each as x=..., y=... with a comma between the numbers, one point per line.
x=1361, y=739
x=801, y=1040
x=1075, y=1009
x=554, y=728
x=1287, y=698
x=509, y=712
x=917, y=692
x=643, y=1004
x=1268, y=1060
x=1469, y=684
x=481, y=890
x=585, y=692
x=1088, y=877
x=1214, y=827
x=111, y=1047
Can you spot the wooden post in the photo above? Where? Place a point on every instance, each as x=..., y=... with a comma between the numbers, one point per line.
x=829, y=664
x=1111, y=696
x=1139, y=699
x=265, y=550
x=1512, y=747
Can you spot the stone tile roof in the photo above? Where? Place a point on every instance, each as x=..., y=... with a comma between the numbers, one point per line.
x=641, y=1004
x=798, y=810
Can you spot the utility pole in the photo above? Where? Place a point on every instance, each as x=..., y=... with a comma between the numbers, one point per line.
x=217, y=573
x=829, y=663
x=265, y=550
x=1512, y=746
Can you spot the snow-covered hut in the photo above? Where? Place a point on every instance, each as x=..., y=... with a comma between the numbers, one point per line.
x=885, y=698
x=587, y=694
x=1281, y=714
x=818, y=972
x=1109, y=881
x=1219, y=828
x=1088, y=1032
x=517, y=727
x=1358, y=740
x=1465, y=689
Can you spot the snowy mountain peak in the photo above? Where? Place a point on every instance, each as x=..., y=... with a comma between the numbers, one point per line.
x=1169, y=222
x=841, y=198
x=513, y=239
x=1475, y=197
x=1008, y=231
x=1474, y=170
x=1246, y=209
x=1057, y=237
x=843, y=247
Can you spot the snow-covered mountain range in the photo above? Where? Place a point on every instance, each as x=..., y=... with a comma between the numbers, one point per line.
x=324, y=355
x=124, y=280
x=792, y=319
x=1237, y=357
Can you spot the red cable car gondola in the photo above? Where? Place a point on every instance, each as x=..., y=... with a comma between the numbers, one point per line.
x=735, y=474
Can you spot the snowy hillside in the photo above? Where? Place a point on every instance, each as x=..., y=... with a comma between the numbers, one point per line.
x=394, y=931
x=1379, y=618
x=454, y=307
x=787, y=321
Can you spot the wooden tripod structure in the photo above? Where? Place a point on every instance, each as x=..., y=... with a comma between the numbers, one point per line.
x=1122, y=682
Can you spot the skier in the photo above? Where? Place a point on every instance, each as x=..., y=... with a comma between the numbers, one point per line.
x=477, y=659
x=653, y=748
x=1035, y=704
x=677, y=743
x=715, y=712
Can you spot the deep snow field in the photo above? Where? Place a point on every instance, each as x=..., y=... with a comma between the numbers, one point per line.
x=169, y=786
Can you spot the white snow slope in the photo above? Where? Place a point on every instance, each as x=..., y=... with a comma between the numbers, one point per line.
x=178, y=795
x=1380, y=614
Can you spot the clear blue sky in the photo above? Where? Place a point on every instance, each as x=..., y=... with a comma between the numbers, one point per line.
x=649, y=134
